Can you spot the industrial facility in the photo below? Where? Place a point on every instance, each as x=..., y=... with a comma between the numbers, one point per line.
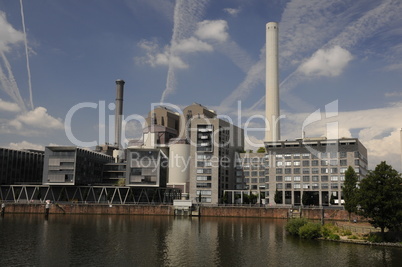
x=195, y=156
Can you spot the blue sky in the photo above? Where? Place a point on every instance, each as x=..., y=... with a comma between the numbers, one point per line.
x=343, y=55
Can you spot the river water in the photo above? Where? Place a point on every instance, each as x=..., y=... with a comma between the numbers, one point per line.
x=122, y=240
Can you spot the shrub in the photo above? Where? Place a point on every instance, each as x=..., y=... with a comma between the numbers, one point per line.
x=352, y=237
x=375, y=238
x=293, y=225
x=310, y=231
x=334, y=237
x=347, y=232
x=326, y=230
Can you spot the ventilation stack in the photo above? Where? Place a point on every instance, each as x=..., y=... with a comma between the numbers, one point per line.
x=272, y=130
x=119, y=113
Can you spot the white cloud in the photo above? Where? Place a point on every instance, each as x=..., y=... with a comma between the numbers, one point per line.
x=232, y=11
x=37, y=118
x=9, y=106
x=8, y=35
x=25, y=145
x=192, y=45
x=212, y=30
x=326, y=62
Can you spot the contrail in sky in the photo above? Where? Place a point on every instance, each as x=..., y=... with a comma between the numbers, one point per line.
x=9, y=84
x=27, y=55
x=186, y=15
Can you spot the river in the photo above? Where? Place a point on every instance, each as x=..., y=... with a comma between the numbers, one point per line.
x=123, y=240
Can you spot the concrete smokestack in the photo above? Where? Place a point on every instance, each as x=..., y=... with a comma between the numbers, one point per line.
x=272, y=130
x=119, y=112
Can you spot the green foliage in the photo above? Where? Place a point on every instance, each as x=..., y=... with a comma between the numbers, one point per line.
x=329, y=229
x=347, y=232
x=352, y=237
x=375, y=238
x=380, y=197
x=278, y=197
x=310, y=231
x=350, y=190
x=293, y=225
x=334, y=237
x=261, y=150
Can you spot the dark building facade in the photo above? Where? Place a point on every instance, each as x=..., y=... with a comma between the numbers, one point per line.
x=21, y=166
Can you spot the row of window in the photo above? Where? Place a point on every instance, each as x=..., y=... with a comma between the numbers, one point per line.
x=306, y=163
x=307, y=178
x=309, y=186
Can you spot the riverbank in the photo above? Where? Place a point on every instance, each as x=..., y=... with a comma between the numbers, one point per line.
x=168, y=210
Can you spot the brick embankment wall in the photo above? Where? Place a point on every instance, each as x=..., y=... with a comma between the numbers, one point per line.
x=91, y=209
x=279, y=213
x=211, y=211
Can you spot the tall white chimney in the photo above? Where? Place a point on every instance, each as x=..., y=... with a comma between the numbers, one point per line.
x=272, y=129
x=119, y=112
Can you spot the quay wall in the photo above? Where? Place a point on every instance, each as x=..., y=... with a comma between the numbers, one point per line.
x=168, y=210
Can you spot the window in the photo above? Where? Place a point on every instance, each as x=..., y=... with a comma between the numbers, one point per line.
x=279, y=171
x=296, y=163
x=254, y=173
x=334, y=186
x=306, y=155
x=314, y=163
x=315, y=170
x=324, y=178
x=288, y=170
x=306, y=170
x=324, y=162
x=342, y=170
x=279, y=178
x=296, y=186
x=334, y=170
x=261, y=180
x=246, y=173
x=203, y=185
x=306, y=163
x=342, y=154
x=306, y=178
x=288, y=186
x=343, y=162
x=261, y=173
x=288, y=163
x=324, y=186
x=324, y=170
x=333, y=162
x=279, y=163
x=296, y=179
x=296, y=170
x=254, y=180
x=296, y=156
x=306, y=186
x=203, y=178
x=314, y=178
x=288, y=178
x=279, y=186
x=334, y=178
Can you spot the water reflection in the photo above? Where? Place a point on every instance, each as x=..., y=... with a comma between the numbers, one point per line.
x=90, y=240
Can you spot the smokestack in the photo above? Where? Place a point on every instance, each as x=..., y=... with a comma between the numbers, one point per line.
x=119, y=112
x=272, y=130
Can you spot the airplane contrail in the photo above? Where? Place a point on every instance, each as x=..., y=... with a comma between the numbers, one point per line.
x=27, y=55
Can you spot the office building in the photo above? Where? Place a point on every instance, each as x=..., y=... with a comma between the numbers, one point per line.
x=20, y=166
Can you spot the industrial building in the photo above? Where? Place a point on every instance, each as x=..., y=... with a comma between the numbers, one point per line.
x=20, y=166
x=201, y=155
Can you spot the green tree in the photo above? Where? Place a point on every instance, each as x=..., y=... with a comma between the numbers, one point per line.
x=350, y=190
x=261, y=150
x=380, y=197
x=278, y=197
